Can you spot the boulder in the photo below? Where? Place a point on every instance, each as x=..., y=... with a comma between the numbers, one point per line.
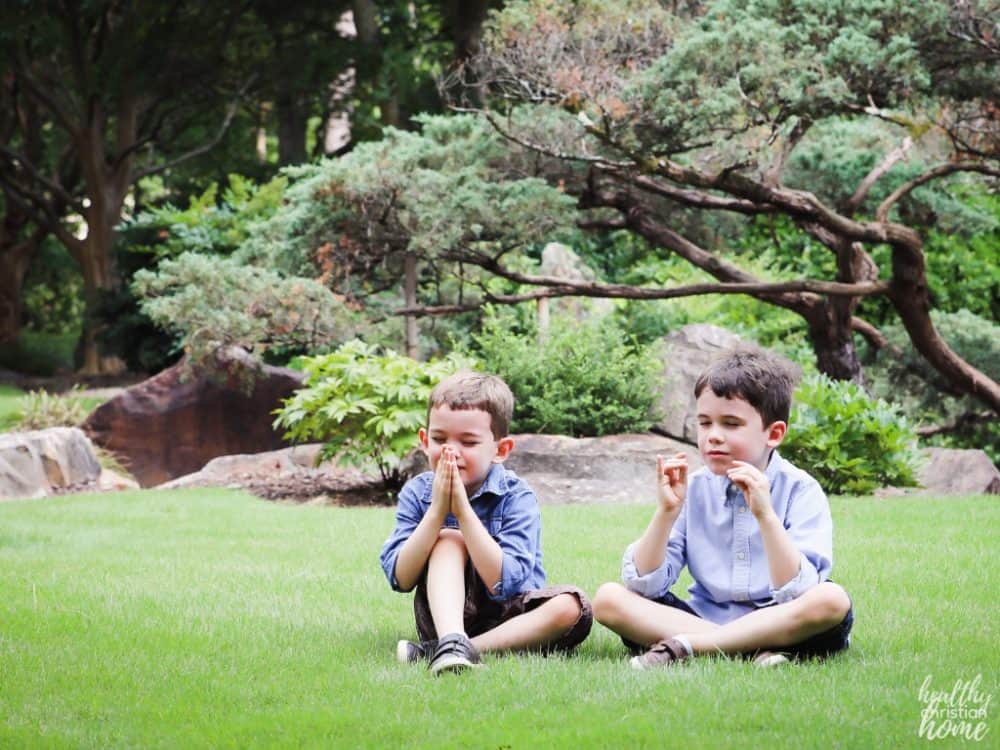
x=45, y=462
x=611, y=469
x=950, y=471
x=289, y=474
x=174, y=423
x=686, y=353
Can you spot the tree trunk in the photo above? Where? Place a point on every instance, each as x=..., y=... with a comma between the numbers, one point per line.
x=292, y=123
x=15, y=260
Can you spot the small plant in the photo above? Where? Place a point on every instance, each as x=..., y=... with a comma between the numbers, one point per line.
x=366, y=406
x=41, y=410
x=585, y=379
x=850, y=442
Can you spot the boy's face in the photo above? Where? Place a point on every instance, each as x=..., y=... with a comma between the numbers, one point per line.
x=730, y=429
x=468, y=433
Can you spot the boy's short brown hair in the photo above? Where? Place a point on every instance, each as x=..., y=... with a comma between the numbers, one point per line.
x=476, y=390
x=761, y=378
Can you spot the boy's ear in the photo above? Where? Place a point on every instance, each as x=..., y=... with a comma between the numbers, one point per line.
x=776, y=433
x=422, y=434
x=504, y=446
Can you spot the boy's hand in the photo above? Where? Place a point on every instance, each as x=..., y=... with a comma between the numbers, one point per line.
x=671, y=475
x=441, y=489
x=755, y=486
x=459, y=497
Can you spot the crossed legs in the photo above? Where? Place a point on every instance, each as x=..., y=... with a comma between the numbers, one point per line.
x=645, y=622
x=446, y=601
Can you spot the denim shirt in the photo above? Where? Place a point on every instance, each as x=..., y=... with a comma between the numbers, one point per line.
x=719, y=539
x=508, y=509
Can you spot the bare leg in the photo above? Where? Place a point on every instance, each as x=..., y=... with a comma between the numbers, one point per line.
x=446, y=582
x=642, y=620
x=820, y=608
x=538, y=627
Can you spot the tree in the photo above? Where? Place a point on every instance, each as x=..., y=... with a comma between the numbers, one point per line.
x=120, y=85
x=706, y=113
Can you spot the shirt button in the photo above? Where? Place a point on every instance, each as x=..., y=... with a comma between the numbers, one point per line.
x=740, y=555
x=743, y=509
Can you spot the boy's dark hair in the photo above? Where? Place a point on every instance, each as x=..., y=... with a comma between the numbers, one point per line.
x=476, y=390
x=761, y=378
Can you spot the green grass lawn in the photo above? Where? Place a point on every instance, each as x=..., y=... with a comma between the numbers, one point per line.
x=213, y=619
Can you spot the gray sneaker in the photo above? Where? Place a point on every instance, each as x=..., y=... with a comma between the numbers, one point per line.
x=408, y=652
x=454, y=653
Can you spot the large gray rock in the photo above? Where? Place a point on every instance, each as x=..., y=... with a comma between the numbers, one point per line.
x=611, y=469
x=46, y=462
x=289, y=473
x=950, y=471
x=686, y=353
x=174, y=423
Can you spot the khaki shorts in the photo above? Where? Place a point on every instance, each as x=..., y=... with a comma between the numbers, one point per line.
x=483, y=613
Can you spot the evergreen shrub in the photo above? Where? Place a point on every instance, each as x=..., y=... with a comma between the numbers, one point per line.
x=585, y=379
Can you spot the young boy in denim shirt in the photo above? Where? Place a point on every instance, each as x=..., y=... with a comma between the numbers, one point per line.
x=754, y=531
x=468, y=538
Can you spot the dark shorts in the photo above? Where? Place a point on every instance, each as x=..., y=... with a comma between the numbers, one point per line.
x=483, y=613
x=819, y=646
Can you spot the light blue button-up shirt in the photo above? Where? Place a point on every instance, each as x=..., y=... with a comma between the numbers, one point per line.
x=719, y=540
x=507, y=508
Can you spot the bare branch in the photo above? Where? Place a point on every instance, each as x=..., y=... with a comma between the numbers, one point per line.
x=855, y=201
x=205, y=147
x=939, y=171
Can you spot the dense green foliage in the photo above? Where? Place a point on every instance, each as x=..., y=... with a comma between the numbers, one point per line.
x=365, y=406
x=585, y=378
x=850, y=442
x=211, y=223
x=217, y=302
x=901, y=376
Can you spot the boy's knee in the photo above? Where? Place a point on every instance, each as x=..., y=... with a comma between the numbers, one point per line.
x=827, y=606
x=450, y=541
x=608, y=602
x=565, y=610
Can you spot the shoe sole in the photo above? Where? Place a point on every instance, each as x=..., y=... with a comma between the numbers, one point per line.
x=452, y=664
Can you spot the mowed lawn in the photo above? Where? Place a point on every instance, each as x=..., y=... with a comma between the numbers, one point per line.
x=213, y=619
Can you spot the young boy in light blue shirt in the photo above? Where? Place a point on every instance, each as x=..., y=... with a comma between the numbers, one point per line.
x=754, y=531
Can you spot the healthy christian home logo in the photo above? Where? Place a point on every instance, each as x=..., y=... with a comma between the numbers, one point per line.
x=959, y=713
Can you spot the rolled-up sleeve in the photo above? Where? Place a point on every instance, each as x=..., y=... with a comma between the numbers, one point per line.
x=519, y=537
x=655, y=583
x=809, y=524
x=409, y=511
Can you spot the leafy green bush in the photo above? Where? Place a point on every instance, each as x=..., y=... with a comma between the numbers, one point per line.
x=586, y=379
x=848, y=441
x=366, y=406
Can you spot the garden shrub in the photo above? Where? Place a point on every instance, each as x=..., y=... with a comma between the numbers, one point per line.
x=586, y=379
x=365, y=405
x=850, y=442
x=41, y=410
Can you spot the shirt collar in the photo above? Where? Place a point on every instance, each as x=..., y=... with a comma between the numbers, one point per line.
x=494, y=484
